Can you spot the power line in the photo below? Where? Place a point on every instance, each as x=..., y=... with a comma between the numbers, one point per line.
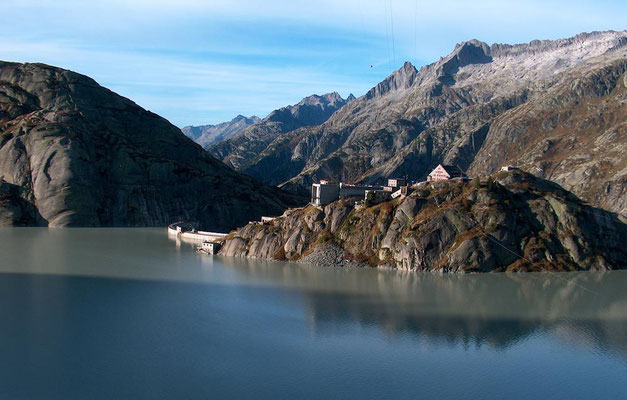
x=594, y=213
x=416, y=31
x=392, y=25
x=493, y=239
x=387, y=33
x=531, y=263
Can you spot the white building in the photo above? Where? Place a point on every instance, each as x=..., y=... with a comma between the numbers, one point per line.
x=444, y=172
x=211, y=247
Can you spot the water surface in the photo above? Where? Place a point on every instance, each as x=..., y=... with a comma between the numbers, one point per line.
x=130, y=313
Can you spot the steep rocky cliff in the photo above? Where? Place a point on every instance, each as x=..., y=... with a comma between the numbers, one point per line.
x=206, y=135
x=555, y=107
x=510, y=221
x=240, y=150
x=73, y=153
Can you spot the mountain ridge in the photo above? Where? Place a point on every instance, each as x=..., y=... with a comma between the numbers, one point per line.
x=206, y=135
x=315, y=109
x=410, y=109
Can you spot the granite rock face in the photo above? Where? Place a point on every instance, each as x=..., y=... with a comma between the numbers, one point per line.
x=554, y=107
x=73, y=153
x=15, y=210
x=206, y=135
x=511, y=221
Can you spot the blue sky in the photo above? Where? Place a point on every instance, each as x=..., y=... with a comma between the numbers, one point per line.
x=199, y=62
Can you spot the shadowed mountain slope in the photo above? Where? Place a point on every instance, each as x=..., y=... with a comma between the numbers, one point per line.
x=73, y=153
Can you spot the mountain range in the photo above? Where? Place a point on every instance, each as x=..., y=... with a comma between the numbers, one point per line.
x=313, y=110
x=73, y=153
x=206, y=135
x=556, y=108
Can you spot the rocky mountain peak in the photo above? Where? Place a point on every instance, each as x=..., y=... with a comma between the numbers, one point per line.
x=500, y=69
x=325, y=100
x=315, y=109
x=311, y=110
x=407, y=68
x=465, y=53
x=243, y=119
x=472, y=52
x=400, y=79
x=279, y=115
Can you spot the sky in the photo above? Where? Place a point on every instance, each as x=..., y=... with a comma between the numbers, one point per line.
x=203, y=62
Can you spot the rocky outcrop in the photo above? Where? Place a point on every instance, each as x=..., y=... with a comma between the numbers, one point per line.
x=511, y=221
x=15, y=209
x=73, y=153
x=206, y=135
x=240, y=150
x=479, y=107
x=400, y=79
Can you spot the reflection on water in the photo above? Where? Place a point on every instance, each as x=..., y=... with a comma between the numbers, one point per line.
x=97, y=305
x=493, y=309
x=498, y=310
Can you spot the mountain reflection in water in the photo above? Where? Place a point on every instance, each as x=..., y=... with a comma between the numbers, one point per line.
x=497, y=310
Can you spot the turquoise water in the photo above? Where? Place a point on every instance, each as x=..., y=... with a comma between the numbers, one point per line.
x=130, y=313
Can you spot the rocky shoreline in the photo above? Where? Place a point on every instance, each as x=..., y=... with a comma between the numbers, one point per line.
x=510, y=221
x=330, y=255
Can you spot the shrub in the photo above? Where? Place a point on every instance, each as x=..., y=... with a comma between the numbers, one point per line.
x=324, y=237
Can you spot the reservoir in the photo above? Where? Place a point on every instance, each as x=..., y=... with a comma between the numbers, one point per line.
x=132, y=313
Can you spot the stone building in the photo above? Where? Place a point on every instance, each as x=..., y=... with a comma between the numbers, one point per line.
x=324, y=193
x=397, y=182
